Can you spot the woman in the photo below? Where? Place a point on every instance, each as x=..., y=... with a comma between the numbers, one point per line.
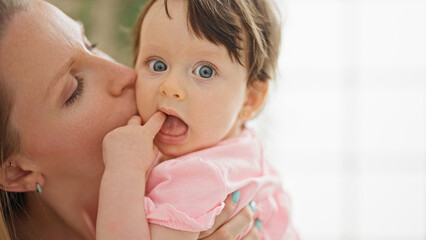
x=59, y=97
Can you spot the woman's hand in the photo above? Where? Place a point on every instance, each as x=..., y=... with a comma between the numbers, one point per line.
x=232, y=229
x=132, y=146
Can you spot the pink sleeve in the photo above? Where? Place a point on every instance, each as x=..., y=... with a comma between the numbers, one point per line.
x=185, y=194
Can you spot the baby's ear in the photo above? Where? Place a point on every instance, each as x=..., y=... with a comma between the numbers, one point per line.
x=255, y=98
x=20, y=174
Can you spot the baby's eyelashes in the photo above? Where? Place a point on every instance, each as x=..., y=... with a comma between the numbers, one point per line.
x=157, y=65
x=204, y=71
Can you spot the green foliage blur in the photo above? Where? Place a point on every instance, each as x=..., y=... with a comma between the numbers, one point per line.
x=107, y=23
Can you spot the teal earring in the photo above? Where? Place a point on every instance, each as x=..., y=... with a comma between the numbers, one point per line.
x=38, y=188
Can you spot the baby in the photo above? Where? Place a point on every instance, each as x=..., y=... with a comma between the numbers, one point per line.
x=205, y=64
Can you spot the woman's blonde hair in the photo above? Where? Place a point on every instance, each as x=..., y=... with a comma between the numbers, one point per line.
x=228, y=23
x=9, y=140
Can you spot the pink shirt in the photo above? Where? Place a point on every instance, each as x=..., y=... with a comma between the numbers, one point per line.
x=187, y=193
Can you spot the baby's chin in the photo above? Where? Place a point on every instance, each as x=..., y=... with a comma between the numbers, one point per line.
x=174, y=151
x=171, y=152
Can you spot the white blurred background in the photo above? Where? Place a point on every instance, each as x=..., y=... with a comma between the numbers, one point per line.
x=346, y=121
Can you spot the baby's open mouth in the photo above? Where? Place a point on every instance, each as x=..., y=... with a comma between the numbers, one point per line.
x=174, y=126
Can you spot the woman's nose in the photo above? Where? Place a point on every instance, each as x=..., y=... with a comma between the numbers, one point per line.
x=122, y=78
x=171, y=88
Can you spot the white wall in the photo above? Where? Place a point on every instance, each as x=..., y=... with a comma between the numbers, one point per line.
x=346, y=121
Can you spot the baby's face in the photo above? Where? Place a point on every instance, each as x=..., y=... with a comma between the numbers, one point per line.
x=192, y=80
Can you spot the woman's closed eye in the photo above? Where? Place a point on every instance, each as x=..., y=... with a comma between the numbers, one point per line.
x=205, y=71
x=77, y=92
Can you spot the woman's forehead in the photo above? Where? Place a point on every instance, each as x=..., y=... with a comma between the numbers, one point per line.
x=42, y=24
x=37, y=42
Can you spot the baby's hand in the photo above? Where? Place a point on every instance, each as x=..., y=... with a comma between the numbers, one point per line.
x=131, y=146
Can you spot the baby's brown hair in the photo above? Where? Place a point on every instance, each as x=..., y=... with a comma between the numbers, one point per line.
x=228, y=23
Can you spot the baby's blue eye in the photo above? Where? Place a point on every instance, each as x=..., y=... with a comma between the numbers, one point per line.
x=204, y=71
x=158, y=66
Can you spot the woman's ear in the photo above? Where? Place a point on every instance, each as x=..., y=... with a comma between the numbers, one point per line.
x=255, y=98
x=20, y=174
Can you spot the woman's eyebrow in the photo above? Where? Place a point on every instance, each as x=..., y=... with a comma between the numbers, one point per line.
x=81, y=25
x=64, y=69
x=55, y=80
